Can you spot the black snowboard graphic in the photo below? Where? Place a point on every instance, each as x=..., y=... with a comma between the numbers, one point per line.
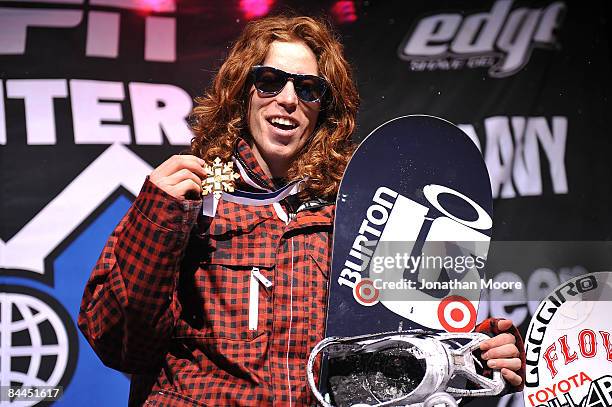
x=414, y=207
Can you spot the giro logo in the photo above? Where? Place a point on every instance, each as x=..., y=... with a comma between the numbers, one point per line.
x=572, y=290
x=500, y=38
x=392, y=227
x=569, y=356
x=103, y=26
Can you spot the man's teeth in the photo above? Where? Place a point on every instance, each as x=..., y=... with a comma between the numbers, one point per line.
x=282, y=121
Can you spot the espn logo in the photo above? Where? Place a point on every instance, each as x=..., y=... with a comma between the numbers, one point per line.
x=103, y=26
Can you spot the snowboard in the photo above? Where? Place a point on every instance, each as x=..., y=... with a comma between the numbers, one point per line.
x=411, y=233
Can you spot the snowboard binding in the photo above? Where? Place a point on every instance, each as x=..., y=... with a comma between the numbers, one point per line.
x=409, y=368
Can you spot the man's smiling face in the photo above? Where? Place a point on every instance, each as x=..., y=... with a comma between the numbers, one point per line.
x=281, y=124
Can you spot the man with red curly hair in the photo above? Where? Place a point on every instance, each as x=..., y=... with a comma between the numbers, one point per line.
x=223, y=307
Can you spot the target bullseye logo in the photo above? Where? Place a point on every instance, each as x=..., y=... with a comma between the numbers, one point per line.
x=365, y=293
x=457, y=314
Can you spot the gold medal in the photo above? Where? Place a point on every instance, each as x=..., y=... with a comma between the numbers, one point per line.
x=221, y=177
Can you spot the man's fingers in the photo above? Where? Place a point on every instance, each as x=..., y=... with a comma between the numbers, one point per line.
x=183, y=187
x=190, y=162
x=513, y=364
x=196, y=168
x=178, y=162
x=498, y=340
x=187, y=157
x=508, y=350
x=181, y=176
x=504, y=324
x=172, y=175
x=511, y=377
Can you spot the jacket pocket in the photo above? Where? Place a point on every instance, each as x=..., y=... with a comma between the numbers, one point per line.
x=222, y=301
x=211, y=370
x=218, y=294
x=257, y=279
x=169, y=398
x=319, y=247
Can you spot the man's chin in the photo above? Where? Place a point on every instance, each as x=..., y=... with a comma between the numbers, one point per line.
x=279, y=155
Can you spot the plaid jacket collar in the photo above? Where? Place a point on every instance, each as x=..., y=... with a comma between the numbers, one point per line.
x=244, y=154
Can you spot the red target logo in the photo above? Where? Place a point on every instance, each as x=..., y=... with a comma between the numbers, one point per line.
x=457, y=314
x=365, y=293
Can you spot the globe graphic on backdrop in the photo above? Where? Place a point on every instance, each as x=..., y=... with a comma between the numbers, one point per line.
x=34, y=346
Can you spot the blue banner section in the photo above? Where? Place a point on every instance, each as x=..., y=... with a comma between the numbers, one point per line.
x=91, y=382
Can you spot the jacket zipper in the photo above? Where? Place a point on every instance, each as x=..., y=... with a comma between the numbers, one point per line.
x=256, y=279
x=287, y=218
x=248, y=169
x=290, y=326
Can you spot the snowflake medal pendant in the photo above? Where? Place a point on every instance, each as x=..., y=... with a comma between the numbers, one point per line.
x=221, y=178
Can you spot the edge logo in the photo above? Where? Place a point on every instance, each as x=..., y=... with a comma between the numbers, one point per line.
x=500, y=39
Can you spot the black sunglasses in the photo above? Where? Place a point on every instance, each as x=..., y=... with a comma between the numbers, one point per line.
x=271, y=81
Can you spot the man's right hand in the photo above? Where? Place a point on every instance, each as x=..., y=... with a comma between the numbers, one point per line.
x=180, y=176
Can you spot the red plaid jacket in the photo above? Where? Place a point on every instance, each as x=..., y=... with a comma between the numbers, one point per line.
x=172, y=303
x=180, y=300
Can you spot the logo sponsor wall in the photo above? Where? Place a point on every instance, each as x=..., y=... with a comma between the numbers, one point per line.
x=93, y=95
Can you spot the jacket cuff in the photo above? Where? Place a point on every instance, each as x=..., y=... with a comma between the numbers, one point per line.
x=490, y=326
x=166, y=211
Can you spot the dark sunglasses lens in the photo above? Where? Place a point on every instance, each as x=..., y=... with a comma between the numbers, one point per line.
x=269, y=80
x=310, y=89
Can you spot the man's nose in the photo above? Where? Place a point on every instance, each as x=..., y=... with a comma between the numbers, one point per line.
x=287, y=97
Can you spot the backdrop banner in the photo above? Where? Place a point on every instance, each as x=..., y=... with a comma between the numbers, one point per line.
x=95, y=94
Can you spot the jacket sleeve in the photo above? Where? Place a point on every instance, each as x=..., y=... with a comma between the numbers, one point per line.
x=129, y=305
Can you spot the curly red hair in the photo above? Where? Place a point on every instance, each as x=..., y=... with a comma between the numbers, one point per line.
x=219, y=118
